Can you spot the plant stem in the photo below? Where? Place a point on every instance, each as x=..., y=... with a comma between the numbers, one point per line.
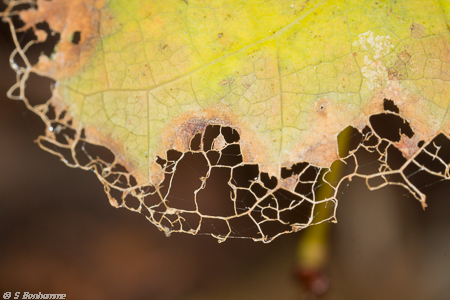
x=313, y=246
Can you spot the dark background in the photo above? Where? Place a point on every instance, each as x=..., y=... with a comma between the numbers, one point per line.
x=58, y=234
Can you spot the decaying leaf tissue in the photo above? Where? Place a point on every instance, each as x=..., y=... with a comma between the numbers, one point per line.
x=171, y=102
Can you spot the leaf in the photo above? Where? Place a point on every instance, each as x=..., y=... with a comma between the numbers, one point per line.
x=147, y=78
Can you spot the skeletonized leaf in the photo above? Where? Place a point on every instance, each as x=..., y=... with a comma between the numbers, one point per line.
x=250, y=94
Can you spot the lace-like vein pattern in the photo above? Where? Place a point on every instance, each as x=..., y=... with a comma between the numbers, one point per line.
x=209, y=190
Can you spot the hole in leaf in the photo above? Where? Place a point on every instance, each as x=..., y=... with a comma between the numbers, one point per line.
x=218, y=227
x=305, y=189
x=269, y=182
x=322, y=189
x=389, y=126
x=390, y=106
x=173, y=155
x=348, y=140
x=190, y=221
x=186, y=180
x=145, y=211
x=213, y=157
x=211, y=132
x=370, y=139
x=48, y=47
x=76, y=37
x=116, y=195
x=195, y=142
x=230, y=135
x=258, y=189
x=161, y=162
x=43, y=84
x=215, y=200
x=231, y=156
x=310, y=174
x=132, y=202
x=41, y=48
x=152, y=199
x=244, y=200
x=243, y=176
x=98, y=152
x=395, y=158
x=294, y=170
x=243, y=227
x=383, y=146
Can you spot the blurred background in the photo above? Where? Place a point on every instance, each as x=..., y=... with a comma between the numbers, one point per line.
x=58, y=234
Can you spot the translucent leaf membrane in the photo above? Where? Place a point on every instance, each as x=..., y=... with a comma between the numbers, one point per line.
x=234, y=119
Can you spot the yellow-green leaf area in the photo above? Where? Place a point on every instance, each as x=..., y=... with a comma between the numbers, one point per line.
x=289, y=75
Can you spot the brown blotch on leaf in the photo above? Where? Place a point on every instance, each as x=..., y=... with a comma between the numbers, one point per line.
x=184, y=127
x=41, y=35
x=398, y=71
x=417, y=31
x=404, y=56
x=289, y=183
x=219, y=142
x=65, y=17
x=321, y=107
x=408, y=146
